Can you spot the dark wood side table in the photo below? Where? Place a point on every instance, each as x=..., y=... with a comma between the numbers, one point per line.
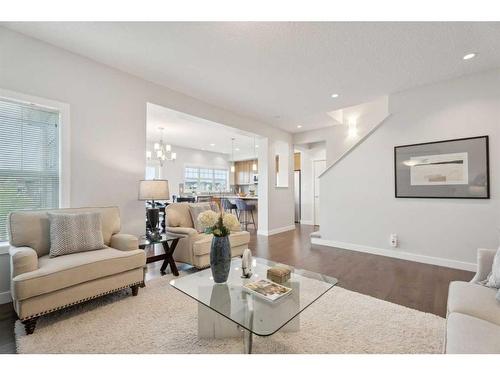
x=169, y=243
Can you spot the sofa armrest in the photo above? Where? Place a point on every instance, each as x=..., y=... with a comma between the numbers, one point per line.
x=484, y=264
x=186, y=231
x=124, y=242
x=23, y=259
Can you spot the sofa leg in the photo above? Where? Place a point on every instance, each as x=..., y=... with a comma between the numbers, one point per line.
x=135, y=290
x=29, y=325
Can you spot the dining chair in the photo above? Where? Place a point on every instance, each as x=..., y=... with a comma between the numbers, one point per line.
x=245, y=208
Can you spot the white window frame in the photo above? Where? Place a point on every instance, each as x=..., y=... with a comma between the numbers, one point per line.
x=205, y=167
x=64, y=143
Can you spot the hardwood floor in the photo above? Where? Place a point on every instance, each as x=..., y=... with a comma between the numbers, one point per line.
x=420, y=286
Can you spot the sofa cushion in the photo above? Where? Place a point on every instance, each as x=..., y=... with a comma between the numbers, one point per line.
x=177, y=215
x=72, y=269
x=202, y=245
x=75, y=233
x=475, y=300
x=31, y=228
x=469, y=335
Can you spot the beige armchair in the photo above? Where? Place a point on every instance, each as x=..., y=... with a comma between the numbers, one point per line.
x=40, y=284
x=194, y=248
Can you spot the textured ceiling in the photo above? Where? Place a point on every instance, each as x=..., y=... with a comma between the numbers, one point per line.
x=282, y=74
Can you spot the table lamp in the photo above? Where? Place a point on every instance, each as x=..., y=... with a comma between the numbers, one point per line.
x=151, y=190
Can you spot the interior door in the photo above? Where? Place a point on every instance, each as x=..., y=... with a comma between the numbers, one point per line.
x=297, y=196
x=318, y=168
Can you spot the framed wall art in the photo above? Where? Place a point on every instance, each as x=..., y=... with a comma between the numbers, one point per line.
x=455, y=168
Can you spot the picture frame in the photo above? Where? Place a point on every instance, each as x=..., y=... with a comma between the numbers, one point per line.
x=447, y=169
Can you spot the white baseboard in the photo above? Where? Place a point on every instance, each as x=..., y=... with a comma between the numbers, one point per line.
x=5, y=297
x=276, y=230
x=307, y=222
x=450, y=263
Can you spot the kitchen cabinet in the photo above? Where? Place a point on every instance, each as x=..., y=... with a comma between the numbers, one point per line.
x=296, y=161
x=243, y=173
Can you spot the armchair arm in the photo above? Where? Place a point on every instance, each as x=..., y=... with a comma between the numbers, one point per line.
x=186, y=231
x=22, y=259
x=124, y=242
x=184, y=249
x=484, y=264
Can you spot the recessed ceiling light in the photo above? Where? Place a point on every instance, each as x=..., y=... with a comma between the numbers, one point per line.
x=212, y=144
x=299, y=126
x=469, y=56
x=256, y=146
x=236, y=149
x=335, y=96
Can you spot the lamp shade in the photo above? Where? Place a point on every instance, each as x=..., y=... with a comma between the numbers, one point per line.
x=153, y=190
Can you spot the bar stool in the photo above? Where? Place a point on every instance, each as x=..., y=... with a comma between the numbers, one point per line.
x=245, y=208
x=228, y=206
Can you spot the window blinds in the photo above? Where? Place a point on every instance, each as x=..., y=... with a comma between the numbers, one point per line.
x=29, y=159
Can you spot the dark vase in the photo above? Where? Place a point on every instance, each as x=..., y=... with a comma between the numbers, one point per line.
x=220, y=258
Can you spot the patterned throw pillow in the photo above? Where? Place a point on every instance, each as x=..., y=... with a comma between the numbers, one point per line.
x=493, y=280
x=75, y=233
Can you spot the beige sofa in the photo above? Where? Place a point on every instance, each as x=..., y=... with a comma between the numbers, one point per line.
x=473, y=317
x=194, y=248
x=40, y=284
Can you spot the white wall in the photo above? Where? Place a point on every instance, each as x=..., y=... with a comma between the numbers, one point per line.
x=280, y=200
x=367, y=117
x=361, y=211
x=308, y=154
x=173, y=171
x=108, y=124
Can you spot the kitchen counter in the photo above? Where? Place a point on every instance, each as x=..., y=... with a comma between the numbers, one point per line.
x=228, y=196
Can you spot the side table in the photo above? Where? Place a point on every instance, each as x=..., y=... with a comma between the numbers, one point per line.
x=169, y=243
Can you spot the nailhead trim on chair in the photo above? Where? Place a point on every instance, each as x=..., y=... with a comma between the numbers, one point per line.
x=80, y=301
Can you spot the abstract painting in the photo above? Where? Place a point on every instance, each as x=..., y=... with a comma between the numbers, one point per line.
x=455, y=168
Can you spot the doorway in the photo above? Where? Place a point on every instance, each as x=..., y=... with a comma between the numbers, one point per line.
x=318, y=168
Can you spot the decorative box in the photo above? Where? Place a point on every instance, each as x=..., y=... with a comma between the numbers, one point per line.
x=278, y=274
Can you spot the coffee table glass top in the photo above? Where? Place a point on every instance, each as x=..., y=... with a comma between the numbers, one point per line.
x=252, y=312
x=144, y=241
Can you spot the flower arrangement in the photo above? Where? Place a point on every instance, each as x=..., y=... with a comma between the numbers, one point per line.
x=218, y=224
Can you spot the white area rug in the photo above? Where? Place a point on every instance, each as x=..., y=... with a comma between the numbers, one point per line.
x=163, y=320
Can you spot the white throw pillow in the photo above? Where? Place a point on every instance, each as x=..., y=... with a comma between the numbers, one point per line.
x=195, y=209
x=75, y=233
x=493, y=280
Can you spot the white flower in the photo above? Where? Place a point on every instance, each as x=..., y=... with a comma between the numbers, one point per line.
x=230, y=220
x=208, y=219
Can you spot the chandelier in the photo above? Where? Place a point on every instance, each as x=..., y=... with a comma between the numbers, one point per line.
x=162, y=151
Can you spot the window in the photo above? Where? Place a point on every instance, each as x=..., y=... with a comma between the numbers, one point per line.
x=29, y=159
x=205, y=179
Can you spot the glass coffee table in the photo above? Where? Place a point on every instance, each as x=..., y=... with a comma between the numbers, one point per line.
x=252, y=314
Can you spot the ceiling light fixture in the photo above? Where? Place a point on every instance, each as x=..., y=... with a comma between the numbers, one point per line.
x=254, y=164
x=232, y=155
x=212, y=144
x=162, y=151
x=299, y=126
x=335, y=96
x=469, y=56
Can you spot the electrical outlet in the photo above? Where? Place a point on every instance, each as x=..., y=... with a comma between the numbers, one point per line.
x=394, y=240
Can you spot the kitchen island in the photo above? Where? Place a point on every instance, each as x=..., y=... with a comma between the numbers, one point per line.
x=249, y=199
